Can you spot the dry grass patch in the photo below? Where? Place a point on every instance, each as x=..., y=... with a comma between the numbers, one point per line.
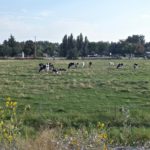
x=44, y=141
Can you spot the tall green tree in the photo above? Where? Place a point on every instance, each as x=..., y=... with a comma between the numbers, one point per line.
x=29, y=48
x=92, y=47
x=84, y=51
x=6, y=48
x=102, y=48
x=134, y=39
x=64, y=46
x=13, y=46
x=79, y=43
x=137, y=42
x=2, y=53
x=72, y=52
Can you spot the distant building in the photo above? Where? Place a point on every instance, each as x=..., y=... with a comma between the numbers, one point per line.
x=22, y=54
x=147, y=54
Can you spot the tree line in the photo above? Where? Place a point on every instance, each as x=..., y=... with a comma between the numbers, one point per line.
x=72, y=48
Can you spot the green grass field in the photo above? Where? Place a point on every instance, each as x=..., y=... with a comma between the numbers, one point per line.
x=80, y=96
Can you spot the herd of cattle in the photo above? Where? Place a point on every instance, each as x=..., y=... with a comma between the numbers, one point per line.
x=120, y=65
x=50, y=67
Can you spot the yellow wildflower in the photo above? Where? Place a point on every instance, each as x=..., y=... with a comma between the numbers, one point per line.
x=100, y=125
x=10, y=138
x=7, y=104
x=8, y=99
x=103, y=136
x=14, y=104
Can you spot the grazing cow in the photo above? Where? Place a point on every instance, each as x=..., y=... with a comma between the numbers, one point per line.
x=83, y=64
x=72, y=65
x=41, y=64
x=135, y=66
x=54, y=70
x=46, y=67
x=111, y=63
x=119, y=65
x=58, y=70
x=42, y=67
x=90, y=64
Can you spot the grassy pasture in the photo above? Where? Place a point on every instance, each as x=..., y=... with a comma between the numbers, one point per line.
x=80, y=96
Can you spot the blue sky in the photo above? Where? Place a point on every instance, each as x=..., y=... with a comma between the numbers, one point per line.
x=50, y=20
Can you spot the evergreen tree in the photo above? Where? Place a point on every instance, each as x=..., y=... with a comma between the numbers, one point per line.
x=29, y=48
x=12, y=44
x=72, y=52
x=64, y=46
x=84, y=51
x=79, y=43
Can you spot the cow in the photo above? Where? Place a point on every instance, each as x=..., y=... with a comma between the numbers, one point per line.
x=56, y=71
x=42, y=67
x=83, y=64
x=135, y=65
x=72, y=65
x=111, y=63
x=90, y=64
x=119, y=65
x=45, y=67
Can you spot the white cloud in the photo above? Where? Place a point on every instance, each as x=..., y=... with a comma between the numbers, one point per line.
x=24, y=27
x=145, y=16
x=45, y=13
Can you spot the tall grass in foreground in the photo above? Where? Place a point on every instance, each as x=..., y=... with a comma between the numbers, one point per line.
x=59, y=138
x=72, y=139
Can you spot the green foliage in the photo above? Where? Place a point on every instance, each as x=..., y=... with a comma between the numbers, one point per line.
x=29, y=48
x=9, y=124
x=73, y=48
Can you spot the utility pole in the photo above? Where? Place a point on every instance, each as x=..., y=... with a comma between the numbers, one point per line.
x=35, y=48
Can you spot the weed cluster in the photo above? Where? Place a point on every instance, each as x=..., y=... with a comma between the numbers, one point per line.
x=9, y=124
x=85, y=139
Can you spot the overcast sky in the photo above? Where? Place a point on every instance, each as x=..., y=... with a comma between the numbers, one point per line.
x=50, y=20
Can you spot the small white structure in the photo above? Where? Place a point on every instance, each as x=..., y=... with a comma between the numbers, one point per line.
x=22, y=54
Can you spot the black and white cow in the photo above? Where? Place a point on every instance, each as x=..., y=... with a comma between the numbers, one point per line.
x=135, y=65
x=72, y=65
x=42, y=67
x=45, y=67
x=58, y=70
x=119, y=65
